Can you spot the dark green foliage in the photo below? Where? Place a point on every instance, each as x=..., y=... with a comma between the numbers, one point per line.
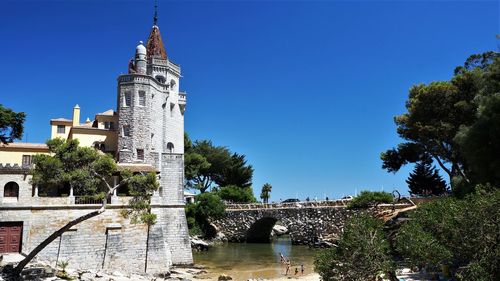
x=207, y=165
x=207, y=206
x=89, y=173
x=367, y=199
x=196, y=167
x=236, y=172
x=266, y=192
x=362, y=252
x=480, y=142
x=236, y=194
x=426, y=181
x=438, y=112
x=11, y=124
x=205, y=162
x=459, y=232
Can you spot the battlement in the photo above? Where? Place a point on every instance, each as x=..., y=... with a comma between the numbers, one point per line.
x=8, y=168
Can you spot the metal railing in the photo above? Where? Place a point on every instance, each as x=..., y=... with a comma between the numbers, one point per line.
x=88, y=200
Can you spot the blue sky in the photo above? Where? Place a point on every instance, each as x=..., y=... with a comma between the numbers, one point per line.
x=306, y=90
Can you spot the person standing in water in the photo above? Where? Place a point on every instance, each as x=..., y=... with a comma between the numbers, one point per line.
x=287, y=267
x=302, y=269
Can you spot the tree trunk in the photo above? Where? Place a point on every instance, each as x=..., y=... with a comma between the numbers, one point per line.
x=52, y=237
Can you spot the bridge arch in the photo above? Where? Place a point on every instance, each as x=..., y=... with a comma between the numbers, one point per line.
x=260, y=230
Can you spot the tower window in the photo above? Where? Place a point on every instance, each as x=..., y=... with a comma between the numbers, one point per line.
x=126, y=131
x=140, y=154
x=61, y=129
x=109, y=126
x=127, y=100
x=142, y=98
x=172, y=106
x=170, y=147
x=160, y=79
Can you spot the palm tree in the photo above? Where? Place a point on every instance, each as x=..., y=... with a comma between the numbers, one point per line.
x=266, y=192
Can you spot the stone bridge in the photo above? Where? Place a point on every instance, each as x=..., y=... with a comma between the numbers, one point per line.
x=307, y=222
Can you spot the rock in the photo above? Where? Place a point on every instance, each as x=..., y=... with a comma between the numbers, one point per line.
x=322, y=244
x=280, y=230
x=13, y=258
x=199, y=244
x=224, y=277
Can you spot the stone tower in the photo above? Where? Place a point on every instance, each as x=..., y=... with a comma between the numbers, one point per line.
x=151, y=131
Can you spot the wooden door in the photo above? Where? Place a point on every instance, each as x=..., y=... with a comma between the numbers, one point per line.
x=10, y=237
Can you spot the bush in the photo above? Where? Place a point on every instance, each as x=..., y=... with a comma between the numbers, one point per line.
x=362, y=252
x=458, y=232
x=368, y=199
x=207, y=206
x=236, y=194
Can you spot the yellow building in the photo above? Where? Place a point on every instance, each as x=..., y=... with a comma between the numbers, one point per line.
x=100, y=133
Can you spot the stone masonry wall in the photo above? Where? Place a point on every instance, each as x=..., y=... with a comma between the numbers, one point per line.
x=304, y=224
x=107, y=241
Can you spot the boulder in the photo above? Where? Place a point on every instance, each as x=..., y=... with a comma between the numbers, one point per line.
x=224, y=277
x=279, y=230
x=199, y=244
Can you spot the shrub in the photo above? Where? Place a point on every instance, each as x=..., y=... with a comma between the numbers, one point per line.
x=362, y=252
x=459, y=232
x=368, y=199
x=207, y=206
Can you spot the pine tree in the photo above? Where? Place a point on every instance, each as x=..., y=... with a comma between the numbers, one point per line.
x=426, y=181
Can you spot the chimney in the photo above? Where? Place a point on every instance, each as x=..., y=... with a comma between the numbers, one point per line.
x=76, y=115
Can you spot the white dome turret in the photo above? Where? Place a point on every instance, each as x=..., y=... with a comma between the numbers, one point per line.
x=140, y=49
x=140, y=58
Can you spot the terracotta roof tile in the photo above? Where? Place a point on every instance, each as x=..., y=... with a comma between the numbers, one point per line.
x=155, y=47
x=25, y=145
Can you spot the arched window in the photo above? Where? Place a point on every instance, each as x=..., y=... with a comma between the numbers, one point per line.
x=172, y=84
x=11, y=189
x=170, y=147
x=160, y=79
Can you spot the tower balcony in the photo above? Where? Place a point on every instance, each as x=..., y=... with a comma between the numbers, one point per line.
x=182, y=98
x=141, y=79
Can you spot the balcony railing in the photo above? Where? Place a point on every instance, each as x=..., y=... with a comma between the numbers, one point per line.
x=88, y=200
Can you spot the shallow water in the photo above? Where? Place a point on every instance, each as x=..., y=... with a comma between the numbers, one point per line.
x=243, y=261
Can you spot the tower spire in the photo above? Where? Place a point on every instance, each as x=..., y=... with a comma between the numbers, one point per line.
x=155, y=18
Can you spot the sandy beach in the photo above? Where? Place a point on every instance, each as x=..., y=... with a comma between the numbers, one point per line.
x=307, y=277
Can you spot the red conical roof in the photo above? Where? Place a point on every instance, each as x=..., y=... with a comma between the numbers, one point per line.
x=155, y=47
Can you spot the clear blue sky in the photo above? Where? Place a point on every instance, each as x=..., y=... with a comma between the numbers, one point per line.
x=306, y=90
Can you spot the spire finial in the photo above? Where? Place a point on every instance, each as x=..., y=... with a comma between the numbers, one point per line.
x=155, y=18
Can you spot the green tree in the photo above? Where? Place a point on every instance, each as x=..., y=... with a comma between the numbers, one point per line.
x=435, y=114
x=207, y=165
x=236, y=172
x=236, y=194
x=425, y=181
x=196, y=167
x=367, y=199
x=480, y=142
x=11, y=124
x=363, y=252
x=266, y=192
x=89, y=173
